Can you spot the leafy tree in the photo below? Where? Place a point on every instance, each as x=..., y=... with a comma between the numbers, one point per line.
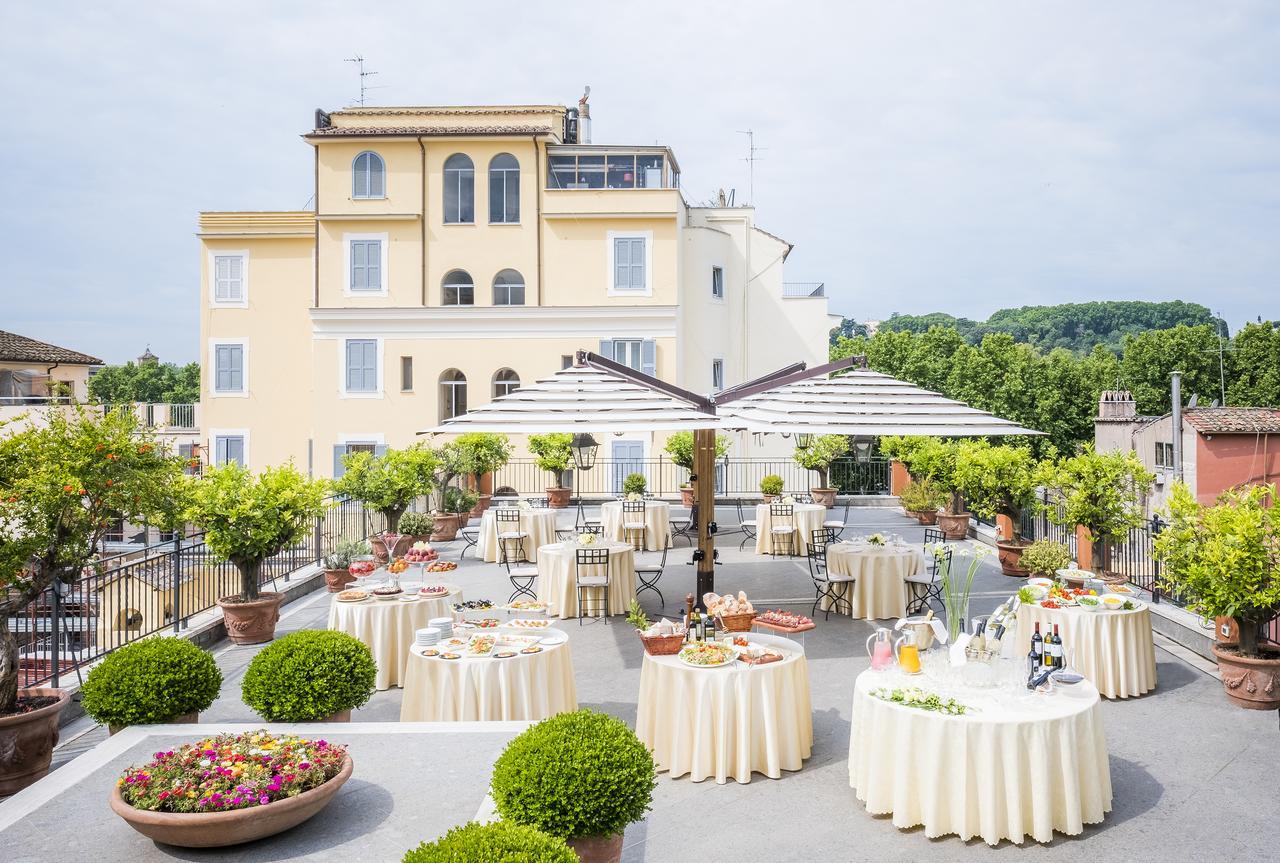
x=821, y=452
x=63, y=482
x=552, y=452
x=1101, y=491
x=1256, y=362
x=1151, y=357
x=388, y=483
x=680, y=448
x=848, y=327
x=996, y=480
x=152, y=382
x=452, y=461
x=487, y=452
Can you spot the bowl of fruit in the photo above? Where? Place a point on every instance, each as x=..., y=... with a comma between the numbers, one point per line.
x=398, y=566
x=421, y=552
x=442, y=566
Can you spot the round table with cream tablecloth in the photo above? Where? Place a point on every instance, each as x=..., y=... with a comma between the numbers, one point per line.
x=386, y=626
x=807, y=517
x=485, y=688
x=539, y=523
x=557, y=564
x=1114, y=649
x=727, y=722
x=879, y=589
x=657, y=519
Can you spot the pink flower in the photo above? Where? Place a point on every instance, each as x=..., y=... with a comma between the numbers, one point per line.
x=264, y=800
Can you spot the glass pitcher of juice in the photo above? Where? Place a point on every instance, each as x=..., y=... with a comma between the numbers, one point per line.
x=907, y=652
x=881, y=652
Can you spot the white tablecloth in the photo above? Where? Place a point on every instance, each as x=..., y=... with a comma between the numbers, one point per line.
x=387, y=627
x=727, y=722
x=556, y=583
x=539, y=523
x=487, y=689
x=880, y=589
x=807, y=517
x=1016, y=767
x=657, y=519
x=1114, y=649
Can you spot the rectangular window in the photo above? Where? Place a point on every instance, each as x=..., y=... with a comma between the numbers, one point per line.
x=629, y=264
x=366, y=265
x=362, y=365
x=1164, y=455
x=458, y=294
x=639, y=354
x=228, y=448
x=627, y=352
x=228, y=368
x=504, y=195
x=508, y=294
x=566, y=361
x=717, y=375
x=717, y=282
x=406, y=374
x=621, y=172
x=228, y=278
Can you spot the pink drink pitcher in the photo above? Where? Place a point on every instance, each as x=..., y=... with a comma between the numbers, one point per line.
x=881, y=652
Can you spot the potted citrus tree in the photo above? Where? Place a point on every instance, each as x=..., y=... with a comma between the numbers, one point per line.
x=817, y=457
x=247, y=519
x=63, y=482
x=452, y=461
x=602, y=775
x=679, y=448
x=921, y=500
x=1224, y=560
x=495, y=842
x=552, y=453
x=488, y=452
x=337, y=563
x=999, y=482
x=310, y=676
x=388, y=484
x=153, y=681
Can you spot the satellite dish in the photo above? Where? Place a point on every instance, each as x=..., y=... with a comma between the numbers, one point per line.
x=1215, y=404
x=1195, y=400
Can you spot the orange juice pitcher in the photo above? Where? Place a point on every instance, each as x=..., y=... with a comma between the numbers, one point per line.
x=907, y=652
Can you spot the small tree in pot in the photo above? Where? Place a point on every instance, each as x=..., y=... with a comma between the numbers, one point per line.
x=388, y=484
x=488, y=452
x=921, y=500
x=771, y=486
x=495, y=842
x=553, y=453
x=452, y=461
x=1044, y=558
x=931, y=459
x=998, y=482
x=679, y=447
x=247, y=519
x=817, y=457
x=1225, y=560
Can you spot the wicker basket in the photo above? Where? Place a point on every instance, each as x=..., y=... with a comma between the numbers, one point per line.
x=736, y=622
x=661, y=645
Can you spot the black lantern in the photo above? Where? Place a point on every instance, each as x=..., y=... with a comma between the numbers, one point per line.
x=584, y=448
x=804, y=440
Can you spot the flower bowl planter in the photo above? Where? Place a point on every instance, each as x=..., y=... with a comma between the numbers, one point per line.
x=686, y=495
x=27, y=741
x=219, y=829
x=954, y=526
x=185, y=719
x=446, y=527
x=337, y=579
x=824, y=496
x=597, y=849
x=1250, y=682
x=924, y=516
x=1010, y=558
x=558, y=498
x=252, y=622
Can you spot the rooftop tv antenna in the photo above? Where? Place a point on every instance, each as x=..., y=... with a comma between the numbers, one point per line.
x=364, y=88
x=751, y=158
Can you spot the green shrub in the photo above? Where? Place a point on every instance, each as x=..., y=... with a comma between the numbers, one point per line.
x=633, y=484
x=771, y=484
x=1045, y=557
x=921, y=496
x=416, y=524
x=309, y=675
x=576, y=774
x=499, y=842
x=149, y=681
x=341, y=557
x=459, y=500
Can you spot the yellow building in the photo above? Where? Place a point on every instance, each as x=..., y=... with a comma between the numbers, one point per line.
x=453, y=253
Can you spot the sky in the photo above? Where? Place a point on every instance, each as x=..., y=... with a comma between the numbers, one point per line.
x=921, y=156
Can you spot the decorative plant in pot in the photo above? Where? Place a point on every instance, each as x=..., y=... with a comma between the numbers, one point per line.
x=495, y=842
x=634, y=484
x=315, y=675
x=553, y=453
x=488, y=452
x=931, y=459
x=416, y=527
x=452, y=461
x=337, y=563
x=581, y=776
x=63, y=483
x=770, y=487
x=921, y=500
x=1102, y=492
x=187, y=796
x=998, y=482
x=679, y=448
x=388, y=484
x=1224, y=560
x=153, y=681
x=817, y=456
x=1044, y=557
x=247, y=519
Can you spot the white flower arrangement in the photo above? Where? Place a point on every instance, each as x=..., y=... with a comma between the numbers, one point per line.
x=634, y=496
x=876, y=539
x=788, y=499
x=524, y=504
x=587, y=539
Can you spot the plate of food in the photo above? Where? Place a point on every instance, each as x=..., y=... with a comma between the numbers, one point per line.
x=532, y=649
x=1119, y=602
x=1046, y=583
x=483, y=622
x=504, y=654
x=457, y=642
x=434, y=590
x=353, y=596
x=388, y=592
x=526, y=606
x=1122, y=589
x=430, y=651
x=528, y=623
x=707, y=654
x=473, y=605
x=519, y=640
x=451, y=656
x=441, y=566
x=481, y=645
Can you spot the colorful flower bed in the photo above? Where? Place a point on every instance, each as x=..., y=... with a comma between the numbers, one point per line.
x=231, y=771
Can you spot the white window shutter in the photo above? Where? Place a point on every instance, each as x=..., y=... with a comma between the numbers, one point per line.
x=649, y=357
x=621, y=264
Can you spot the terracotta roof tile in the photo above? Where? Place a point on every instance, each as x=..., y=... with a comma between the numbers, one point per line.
x=16, y=348
x=435, y=131
x=1234, y=420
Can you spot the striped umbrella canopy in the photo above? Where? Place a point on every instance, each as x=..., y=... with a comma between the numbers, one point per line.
x=860, y=402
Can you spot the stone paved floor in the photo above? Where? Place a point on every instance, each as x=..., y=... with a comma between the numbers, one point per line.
x=1179, y=757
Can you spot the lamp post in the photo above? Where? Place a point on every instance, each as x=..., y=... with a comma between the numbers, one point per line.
x=804, y=440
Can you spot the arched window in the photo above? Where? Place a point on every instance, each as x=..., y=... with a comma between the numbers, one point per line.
x=504, y=189
x=505, y=381
x=508, y=289
x=458, y=289
x=368, y=176
x=459, y=190
x=453, y=394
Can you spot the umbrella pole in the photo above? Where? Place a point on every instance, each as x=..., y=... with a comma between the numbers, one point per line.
x=704, y=493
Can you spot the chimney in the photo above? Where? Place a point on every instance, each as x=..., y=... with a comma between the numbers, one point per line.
x=1117, y=406
x=584, y=117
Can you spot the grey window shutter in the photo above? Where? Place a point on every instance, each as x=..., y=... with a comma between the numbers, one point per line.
x=220, y=368
x=353, y=380
x=621, y=264
x=377, y=177
x=338, y=468
x=637, y=282
x=374, y=266
x=606, y=348
x=237, y=367
x=235, y=450
x=380, y=449
x=649, y=357
x=357, y=265
x=370, y=366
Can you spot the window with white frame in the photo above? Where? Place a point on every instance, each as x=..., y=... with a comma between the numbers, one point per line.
x=717, y=375
x=508, y=289
x=453, y=394
x=361, y=366
x=368, y=176
x=505, y=381
x=229, y=278
x=1164, y=455
x=459, y=190
x=228, y=368
x=366, y=265
x=406, y=374
x=639, y=354
x=228, y=449
x=630, y=264
x=717, y=282
x=458, y=289
x=504, y=190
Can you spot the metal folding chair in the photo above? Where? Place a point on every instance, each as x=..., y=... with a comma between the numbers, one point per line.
x=506, y=521
x=649, y=574
x=823, y=582
x=686, y=526
x=634, y=526
x=522, y=577
x=782, y=525
x=748, y=526
x=471, y=537
x=841, y=524
x=926, y=586
x=584, y=583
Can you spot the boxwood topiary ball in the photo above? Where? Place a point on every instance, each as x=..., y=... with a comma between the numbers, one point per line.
x=576, y=774
x=309, y=675
x=499, y=842
x=150, y=681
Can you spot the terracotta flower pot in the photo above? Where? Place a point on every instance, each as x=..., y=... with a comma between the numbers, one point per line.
x=686, y=496
x=824, y=496
x=251, y=622
x=1248, y=681
x=482, y=503
x=558, y=498
x=769, y=498
x=340, y=716
x=597, y=849
x=185, y=719
x=924, y=516
x=446, y=527
x=954, y=526
x=219, y=829
x=337, y=579
x=27, y=741
x=1011, y=558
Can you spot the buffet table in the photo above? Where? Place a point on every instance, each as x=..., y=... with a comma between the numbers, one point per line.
x=540, y=524
x=807, y=517
x=879, y=589
x=1016, y=766
x=727, y=722
x=657, y=519
x=386, y=626
x=486, y=688
x=557, y=565
x=1114, y=649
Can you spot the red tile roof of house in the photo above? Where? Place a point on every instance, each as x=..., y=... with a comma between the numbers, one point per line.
x=425, y=131
x=16, y=348
x=1234, y=420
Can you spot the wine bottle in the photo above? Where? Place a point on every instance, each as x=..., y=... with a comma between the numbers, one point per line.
x=1055, y=649
x=711, y=627
x=1037, y=645
x=976, y=644
x=695, y=626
